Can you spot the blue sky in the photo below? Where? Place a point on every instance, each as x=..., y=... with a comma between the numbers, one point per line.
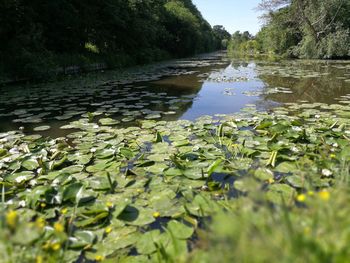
x=232, y=14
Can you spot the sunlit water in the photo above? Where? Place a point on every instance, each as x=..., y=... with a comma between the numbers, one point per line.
x=182, y=89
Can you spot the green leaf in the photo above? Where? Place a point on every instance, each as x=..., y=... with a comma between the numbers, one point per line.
x=91, y=220
x=30, y=164
x=81, y=239
x=213, y=166
x=147, y=243
x=180, y=230
x=126, y=153
x=137, y=216
x=286, y=167
x=159, y=137
x=281, y=194
x=296, y=181
x=72, y=192
x=263, y=174
x=3, y=152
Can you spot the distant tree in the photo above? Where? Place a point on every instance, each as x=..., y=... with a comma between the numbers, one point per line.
x=246, y=36
x=243, y=44
x=42, y=35
x=317, y=26
x=221, y=35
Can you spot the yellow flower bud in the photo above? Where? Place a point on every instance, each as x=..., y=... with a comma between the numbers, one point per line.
x=156, y=214
x=324, y=195
x=40, y=222
x=56, y=246
x=108, y=230
x=271, y=180
x=46, y=246
x=310, y=193
x=99, y=258
x=301, y=198
x=39, y=259
x=109, y=204
x=64, y=211
x=59, y=228
x=11, y=219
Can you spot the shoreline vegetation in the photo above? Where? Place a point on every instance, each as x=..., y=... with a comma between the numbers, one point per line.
x=298, y=29
x=101, y=72
x=116, y=33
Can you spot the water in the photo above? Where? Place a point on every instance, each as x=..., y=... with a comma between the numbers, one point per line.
x=180, y=89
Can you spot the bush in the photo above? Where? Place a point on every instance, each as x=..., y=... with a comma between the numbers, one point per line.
x=336, y=45
x=307, y=48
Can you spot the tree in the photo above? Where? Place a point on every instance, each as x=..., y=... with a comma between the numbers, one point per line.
x=243, y=44
x=222, y=36
x=45, y=35
x=317, y=25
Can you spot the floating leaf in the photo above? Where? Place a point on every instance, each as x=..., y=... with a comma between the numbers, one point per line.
x=180, y=230
x=72, y=192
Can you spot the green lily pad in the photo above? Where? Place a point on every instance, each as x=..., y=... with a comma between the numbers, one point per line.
x=42, y=128
x=108, y=121
x=30, y=164
x=281, y=194
x=180, y=230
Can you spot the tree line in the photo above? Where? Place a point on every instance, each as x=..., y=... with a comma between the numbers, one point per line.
x=300, y=29
x=40, y=36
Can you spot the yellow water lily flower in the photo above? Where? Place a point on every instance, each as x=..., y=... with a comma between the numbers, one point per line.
x=324, y=195
x=11, y=219
x=108, y=230
x=156, y=214
x=46, y=245
x=271, y=180
x=39, y=259
x=64, y=211
x=56, y=246
x=40, y=222
x=109, y=204
x=301, y=198
x=99, y=258
x=59, y=228
x=310, y=193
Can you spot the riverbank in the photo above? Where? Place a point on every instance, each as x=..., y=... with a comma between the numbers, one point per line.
x=74, y=70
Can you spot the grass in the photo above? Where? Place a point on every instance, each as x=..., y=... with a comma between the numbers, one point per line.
x=315, y=230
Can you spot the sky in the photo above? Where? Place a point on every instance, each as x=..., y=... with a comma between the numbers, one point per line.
x=232, y=14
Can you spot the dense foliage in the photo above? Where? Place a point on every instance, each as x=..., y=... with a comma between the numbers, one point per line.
x=39, y=36
x=243, y=43
x=222, y=36
x=304, y=29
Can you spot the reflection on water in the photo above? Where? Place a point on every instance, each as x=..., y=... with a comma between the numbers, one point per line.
x=319, y=82
x=224, y=91
x=269, y=84
x=186, y=89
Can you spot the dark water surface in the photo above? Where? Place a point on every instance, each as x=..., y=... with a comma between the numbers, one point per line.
x=181, y=89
